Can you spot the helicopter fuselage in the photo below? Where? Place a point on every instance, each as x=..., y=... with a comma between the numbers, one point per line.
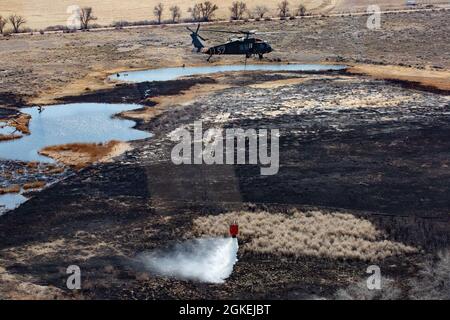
x=248, y=47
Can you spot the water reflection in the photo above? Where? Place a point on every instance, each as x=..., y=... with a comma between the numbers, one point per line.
x=81, y=122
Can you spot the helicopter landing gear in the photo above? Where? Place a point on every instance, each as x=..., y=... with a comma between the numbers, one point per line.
x=209, y=58
x=261, y=56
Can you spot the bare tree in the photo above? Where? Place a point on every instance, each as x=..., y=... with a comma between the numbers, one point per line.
x=203, y=11
x=260, y=11
x=283, y=9
x=238, y=8
x=301, y=10
x=86, y=16
x=195, y=12
x=175, y=12
x=16, y=21
x=208, y=10
x=158, y=11
x=3, y=23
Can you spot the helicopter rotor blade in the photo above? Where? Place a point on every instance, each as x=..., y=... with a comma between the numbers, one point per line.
x=223, y=31
x=248, y=32
x=198, y=28
x=231, y=31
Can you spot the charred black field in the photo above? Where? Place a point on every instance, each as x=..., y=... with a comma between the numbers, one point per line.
x=363, y=177
x=348, y=144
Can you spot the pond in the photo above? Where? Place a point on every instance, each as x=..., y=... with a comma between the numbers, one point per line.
x=166, y=74
x=70, y=123
x=7, y=130
x=10, y=201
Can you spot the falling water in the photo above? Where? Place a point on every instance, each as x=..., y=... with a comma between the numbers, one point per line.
x=206, y=260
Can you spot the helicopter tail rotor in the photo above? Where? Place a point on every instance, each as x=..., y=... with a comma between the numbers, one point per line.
x=196, y=38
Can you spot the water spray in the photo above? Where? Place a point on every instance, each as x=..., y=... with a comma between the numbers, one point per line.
x=208, y=260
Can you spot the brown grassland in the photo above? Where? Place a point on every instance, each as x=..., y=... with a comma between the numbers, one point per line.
x=41, y=14
x=79, y=155
x=313, y=233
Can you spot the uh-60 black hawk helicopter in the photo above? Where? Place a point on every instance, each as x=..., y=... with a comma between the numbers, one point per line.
x=247, y=45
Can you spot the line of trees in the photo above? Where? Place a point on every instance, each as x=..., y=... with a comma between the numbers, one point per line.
x=205, y=11
x=202, y=11
x=284, y=9
x=17, y=21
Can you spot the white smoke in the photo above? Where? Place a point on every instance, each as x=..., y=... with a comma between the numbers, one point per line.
x=207, y=260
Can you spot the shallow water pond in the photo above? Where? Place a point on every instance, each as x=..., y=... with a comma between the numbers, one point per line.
x=166, y=74
x=7, y=130
x=10, y=201
x=70, y=123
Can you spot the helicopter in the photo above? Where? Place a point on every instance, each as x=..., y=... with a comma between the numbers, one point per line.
x=247, y=44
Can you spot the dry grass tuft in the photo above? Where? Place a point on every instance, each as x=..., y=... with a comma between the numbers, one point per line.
x=80, y=155
x=33, y=165
x=56, y=170
x=11, y=189
x=6, y=137
x=334, y=235
x=21, y=123
x=34, y=185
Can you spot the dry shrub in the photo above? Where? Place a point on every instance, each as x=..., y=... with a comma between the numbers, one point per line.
x=334, y=235
x=6, y=137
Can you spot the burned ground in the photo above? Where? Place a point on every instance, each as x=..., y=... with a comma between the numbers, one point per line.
x=140, y=93
x=352, y=144
x=372, y=148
